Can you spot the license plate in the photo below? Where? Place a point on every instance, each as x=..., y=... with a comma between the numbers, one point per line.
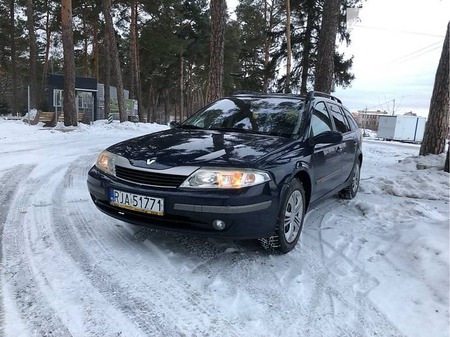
x=137, y=202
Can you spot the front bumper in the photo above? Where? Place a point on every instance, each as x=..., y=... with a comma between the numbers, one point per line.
x=248, y=213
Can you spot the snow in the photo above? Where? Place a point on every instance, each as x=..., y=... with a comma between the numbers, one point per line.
x=377, y=265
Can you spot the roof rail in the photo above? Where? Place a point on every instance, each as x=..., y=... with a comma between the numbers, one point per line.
x=312, y=94
x=256, y=93
x=247, y=92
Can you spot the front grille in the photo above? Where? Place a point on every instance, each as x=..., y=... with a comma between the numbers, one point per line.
x=149, y=178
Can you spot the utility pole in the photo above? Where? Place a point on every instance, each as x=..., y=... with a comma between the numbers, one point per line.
x=365, y=121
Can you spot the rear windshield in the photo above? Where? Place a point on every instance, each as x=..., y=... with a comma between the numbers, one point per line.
x=276, y=116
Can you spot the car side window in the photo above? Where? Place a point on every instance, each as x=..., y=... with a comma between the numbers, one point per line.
x=353, y=125
x=340, y=121
x=320, y=119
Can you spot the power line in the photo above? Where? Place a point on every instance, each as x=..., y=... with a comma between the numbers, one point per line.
x=417, y=53
x=381, y=105
x=399, y=31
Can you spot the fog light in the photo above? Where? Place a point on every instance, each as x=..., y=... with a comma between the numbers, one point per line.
x=219, y=225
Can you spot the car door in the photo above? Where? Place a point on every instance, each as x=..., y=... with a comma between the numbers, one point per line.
x=349, y=142
x=326, y=157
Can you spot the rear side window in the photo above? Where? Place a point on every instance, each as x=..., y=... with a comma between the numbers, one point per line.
x=320, y=119
x=339, y=119
x=351, y=120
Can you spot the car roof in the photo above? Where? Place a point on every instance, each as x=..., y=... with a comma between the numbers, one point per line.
x=268, y=95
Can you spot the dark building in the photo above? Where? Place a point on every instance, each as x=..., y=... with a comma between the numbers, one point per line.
x=85, y=95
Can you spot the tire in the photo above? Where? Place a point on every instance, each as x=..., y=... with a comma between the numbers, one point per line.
x=350, y=191
x=290, y=217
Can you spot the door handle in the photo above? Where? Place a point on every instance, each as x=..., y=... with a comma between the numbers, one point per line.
x=339, y=150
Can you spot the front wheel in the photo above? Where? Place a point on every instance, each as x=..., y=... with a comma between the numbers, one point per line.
x=290, y=218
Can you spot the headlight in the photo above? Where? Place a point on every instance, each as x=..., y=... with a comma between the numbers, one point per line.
x=225, y=178
x=106, y=162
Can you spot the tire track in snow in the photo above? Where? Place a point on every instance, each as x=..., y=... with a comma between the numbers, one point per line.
x=89, y=245
x=57, y=283
x=21, y=275
x=342, y=293
x=72, y=227
x=9, y=182
x=274, y=284
x=299, y=285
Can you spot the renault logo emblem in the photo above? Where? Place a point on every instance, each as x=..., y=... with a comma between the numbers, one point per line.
x=151, y=161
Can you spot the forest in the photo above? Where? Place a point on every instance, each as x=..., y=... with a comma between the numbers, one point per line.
x=164, y=49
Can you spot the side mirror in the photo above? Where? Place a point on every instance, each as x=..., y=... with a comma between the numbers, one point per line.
x=328, y=137
x=174, y=124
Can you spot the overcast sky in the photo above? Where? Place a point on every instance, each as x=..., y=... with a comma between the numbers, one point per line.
x=396, y=47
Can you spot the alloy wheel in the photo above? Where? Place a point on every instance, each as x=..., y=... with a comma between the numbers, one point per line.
x=293, y=216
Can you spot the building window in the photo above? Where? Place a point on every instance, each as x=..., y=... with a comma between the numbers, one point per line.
x=57, y=97
x=85, y=100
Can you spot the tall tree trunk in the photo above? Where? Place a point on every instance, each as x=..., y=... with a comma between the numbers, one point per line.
x=85, y=50
x=216, y=52
x=447, y=164
x=107, y=84
x=48, y=35
x=136, y=67
x=153, y=99
x=287, y=88
x=181, y=86
x=70, y=113
x=327, y=46
x=33, y=55
x=267, y=41
x=115, y=59
x=436, y=129
x=95, y=51
x=12, y=20
x=133, y=50
x=307, y=46
x=166, y=106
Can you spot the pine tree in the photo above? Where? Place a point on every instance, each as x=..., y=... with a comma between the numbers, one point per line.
x=33, y=54
x=114, y=58
x=216, y=53
x=287, y=88
x=12, y=21
x=436, y=129
x=327, y=46
x=70, y=113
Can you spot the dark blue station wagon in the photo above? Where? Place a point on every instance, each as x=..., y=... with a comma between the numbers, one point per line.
x=247, y=166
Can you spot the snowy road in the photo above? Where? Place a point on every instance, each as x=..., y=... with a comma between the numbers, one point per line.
x=374, y=266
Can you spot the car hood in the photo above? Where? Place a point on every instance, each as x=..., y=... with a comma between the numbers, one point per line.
x=184, y=147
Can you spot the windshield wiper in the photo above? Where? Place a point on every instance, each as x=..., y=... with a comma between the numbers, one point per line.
x=189, y=126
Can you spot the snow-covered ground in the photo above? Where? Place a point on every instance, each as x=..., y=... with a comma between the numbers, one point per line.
x=377, y=265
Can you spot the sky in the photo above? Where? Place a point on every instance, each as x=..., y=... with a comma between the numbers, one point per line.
x=396, y=47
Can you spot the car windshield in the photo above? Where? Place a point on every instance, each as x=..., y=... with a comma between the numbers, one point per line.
x=268, y=115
